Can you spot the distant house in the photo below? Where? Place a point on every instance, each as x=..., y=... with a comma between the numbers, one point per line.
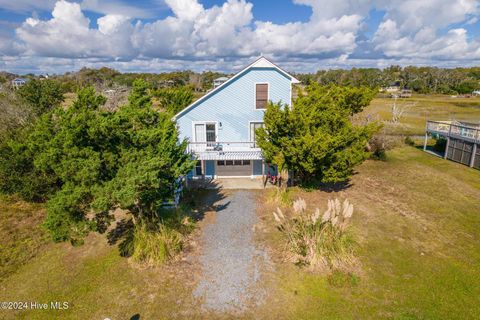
x=18, y=82
x=404, y=93
x=219, y=81
x=220, y=126
x=476, y=93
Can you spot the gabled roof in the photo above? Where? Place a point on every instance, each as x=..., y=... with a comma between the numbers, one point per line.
x=261, y=62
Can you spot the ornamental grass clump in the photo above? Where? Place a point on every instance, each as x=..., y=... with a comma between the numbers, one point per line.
x=316, y=239
x=156, y=247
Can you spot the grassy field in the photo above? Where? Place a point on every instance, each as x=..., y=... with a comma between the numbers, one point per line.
x=422, y=108
x=417, y=223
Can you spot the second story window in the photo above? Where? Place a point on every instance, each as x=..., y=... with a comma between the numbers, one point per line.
x=261, y=95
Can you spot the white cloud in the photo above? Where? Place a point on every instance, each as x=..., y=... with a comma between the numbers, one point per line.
x=414, y=29
x=411, y=30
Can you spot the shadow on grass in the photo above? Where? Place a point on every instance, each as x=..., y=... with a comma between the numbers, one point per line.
x=194, y=204
x=326, y=187
x=123, y=233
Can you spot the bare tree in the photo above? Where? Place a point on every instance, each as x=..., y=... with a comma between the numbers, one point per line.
x=399, y=109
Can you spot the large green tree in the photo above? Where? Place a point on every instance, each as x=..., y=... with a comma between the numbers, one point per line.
x=316, y=137
x=175, y=99
x=41, y=95
x=98, y=160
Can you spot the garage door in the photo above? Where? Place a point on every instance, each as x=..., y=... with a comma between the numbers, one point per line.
x=234, y=168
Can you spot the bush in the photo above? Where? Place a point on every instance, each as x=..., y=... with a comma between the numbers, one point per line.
x=318, y=240
x=377, y=147
x=279, y=195
x=155, y=247
x=440, y=145
x=409, y=141
x=157, y=241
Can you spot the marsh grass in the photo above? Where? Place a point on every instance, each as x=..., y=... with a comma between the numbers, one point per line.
x=321, y=241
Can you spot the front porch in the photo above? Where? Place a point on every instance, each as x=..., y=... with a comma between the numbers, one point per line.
x=232, y=160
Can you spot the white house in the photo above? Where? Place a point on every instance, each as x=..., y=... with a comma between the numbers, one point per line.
x=220, y=126
x=18, y=82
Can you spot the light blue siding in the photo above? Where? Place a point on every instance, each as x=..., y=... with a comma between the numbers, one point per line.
x=257, y=167
x=209, y=168
x=234, y=105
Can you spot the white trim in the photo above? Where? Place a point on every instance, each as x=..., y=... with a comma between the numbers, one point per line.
x=291, y=92
x=204, y=122
x=255, y=94
x=261, y=62
x=250, y=128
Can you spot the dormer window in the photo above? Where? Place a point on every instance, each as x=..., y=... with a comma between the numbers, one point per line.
x=261, y=95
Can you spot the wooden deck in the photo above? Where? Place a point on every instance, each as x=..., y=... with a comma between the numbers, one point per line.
x=463, y=140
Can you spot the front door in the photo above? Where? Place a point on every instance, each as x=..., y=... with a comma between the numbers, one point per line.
x=206, y=133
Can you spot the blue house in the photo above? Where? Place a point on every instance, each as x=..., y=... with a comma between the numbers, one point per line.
x=220, y=126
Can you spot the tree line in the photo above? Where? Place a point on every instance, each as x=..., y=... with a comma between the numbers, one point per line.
x=419, y=79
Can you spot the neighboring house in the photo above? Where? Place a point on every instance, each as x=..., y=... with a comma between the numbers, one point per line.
x=219, y=81
x=221, y=125
x=18, y=82
x=476, y=93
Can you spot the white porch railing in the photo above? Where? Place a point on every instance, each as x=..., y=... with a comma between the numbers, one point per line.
x=454, y=130
x=197, y=147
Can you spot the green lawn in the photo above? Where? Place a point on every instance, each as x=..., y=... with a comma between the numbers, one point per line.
x=417, y=221
x=431, y=107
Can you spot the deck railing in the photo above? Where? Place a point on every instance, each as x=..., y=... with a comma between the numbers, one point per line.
x=454, y=130
x=222, y=146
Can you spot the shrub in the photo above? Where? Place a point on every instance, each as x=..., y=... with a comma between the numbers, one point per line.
x=154, y=247
x=157, y=241
x=440, y=144
x=318, y=240
x=409, y=141
x=377, y=147
x=279, y=195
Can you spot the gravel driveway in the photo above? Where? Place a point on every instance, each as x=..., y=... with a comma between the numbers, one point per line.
x=232, y=265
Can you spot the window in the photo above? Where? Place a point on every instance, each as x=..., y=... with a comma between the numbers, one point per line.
x=246, y=162
x=198, y=168
x=237, y=162
x=253, y=128
x=220, y=163
x=211, y=134
x=261, y=95
x=229, y=162
x=206, y=132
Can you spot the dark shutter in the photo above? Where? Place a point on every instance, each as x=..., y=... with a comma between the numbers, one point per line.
x=261, y=95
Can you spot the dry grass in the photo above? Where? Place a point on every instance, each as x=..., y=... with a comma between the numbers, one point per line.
x=417, y=229
x=21, y=237
x=321, y=241
x=423, y=107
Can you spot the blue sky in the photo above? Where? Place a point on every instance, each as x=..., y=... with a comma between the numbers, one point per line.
x=49, y=36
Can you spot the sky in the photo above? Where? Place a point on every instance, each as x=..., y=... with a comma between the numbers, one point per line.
x=49, y=36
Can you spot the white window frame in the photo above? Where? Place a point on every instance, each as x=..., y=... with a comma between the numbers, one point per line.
x=194, y=134
x=250, y=128
x=255, y=94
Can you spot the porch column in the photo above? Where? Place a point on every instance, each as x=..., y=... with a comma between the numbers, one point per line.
x=474, y=152
x=446, y=148
x=425, y=143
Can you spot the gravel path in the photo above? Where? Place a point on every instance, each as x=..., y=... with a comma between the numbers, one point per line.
x=231, y=263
